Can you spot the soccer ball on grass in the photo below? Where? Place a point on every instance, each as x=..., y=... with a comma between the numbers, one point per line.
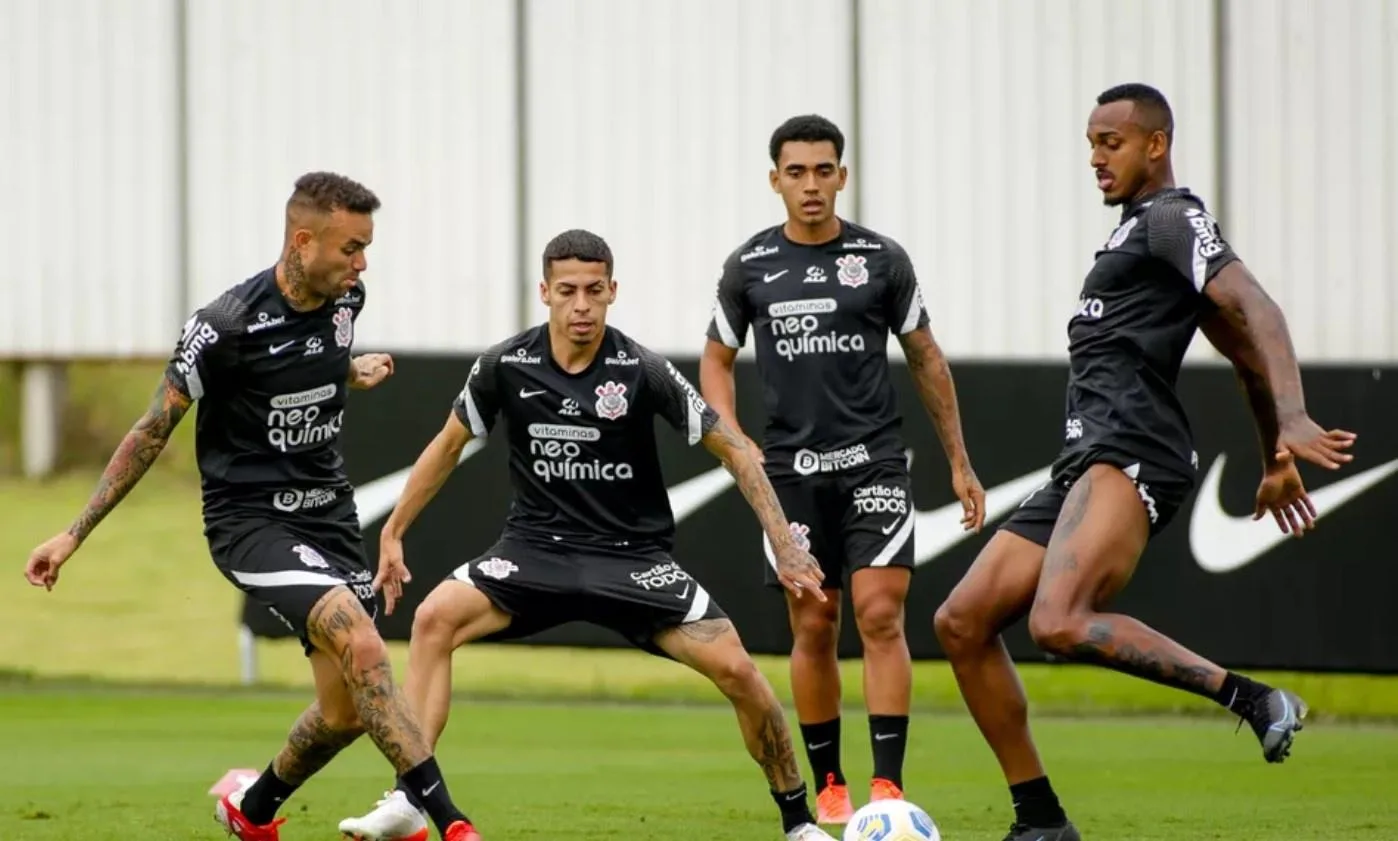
x=891, y=820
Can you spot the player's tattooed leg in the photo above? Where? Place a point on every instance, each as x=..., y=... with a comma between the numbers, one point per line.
x=1096, y=543
x=310, y=746
x=712, y=648
x=340, y=626
x=706, y=630
x=774, y=750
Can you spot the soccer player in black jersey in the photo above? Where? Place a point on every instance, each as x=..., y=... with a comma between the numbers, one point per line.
x=1128, y=461
x=269, y=363
x=590, y=529
x=821, y=295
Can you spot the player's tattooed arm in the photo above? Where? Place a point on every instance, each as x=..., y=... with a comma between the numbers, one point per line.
x=134, y=456
x=1249, y=328
x=797, y=569
x=1249, y=367
x=935, y=386
x=742, y=459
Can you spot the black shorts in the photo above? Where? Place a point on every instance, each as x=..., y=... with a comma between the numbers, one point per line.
x=541, y=585
x=852, y=519
x=1162, y=492
x=289, y=565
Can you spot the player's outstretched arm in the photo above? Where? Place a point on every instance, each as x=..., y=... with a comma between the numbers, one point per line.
x=797, y=570
x=135, y=454
x=431, y=470
x=935, y=386
x=1250, y=330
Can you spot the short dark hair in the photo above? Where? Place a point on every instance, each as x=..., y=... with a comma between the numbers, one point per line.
x=326, y=192
x=806, y=128
x=577, y=244
x=1158, y=116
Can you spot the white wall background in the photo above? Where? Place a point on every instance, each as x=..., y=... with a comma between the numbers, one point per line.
x=89, y=195
x=1312, y=136
x=647, y=121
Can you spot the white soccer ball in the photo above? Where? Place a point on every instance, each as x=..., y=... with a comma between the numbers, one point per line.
x=891, y=820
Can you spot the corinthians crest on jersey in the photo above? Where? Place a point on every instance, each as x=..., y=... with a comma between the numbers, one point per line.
x=853, y=270
x=611, y=400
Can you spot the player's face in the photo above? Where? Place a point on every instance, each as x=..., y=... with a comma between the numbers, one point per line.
x=808, y=175
x=1122, y=151
x=577, y=294
x=332, y=257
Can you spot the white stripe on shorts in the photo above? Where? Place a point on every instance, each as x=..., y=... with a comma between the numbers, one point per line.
x=287, y=578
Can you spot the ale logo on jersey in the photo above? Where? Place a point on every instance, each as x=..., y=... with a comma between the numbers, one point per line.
x=611, y=400
x=852, y=270
x=344, y=326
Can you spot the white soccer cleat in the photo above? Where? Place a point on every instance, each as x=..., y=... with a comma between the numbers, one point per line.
x=809, y=832
x=393, y=819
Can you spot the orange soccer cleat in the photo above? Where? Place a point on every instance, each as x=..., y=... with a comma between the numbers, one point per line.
x=833, y=805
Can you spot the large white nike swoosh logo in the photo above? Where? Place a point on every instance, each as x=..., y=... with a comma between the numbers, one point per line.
x=1223, y=543
x=376, y=499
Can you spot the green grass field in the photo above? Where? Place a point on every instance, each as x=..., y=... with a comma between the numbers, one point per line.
x=138, y=765
x=118, y=709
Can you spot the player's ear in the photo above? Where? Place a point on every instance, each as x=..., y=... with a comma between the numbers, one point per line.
x=544, y=291
x=611, y=290
x=844, y=175
x=1159, y=146
x=774, y=178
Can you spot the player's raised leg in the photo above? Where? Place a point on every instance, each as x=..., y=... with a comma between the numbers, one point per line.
x=996, y=592
x=713, y=648
x=452, y=615
x=328, y=726
x=1100, y=535
x=339, y=626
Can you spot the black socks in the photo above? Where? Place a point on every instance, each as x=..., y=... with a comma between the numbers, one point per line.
x=888, y=734
x=795, y=811
x=823, y=750
x=1240, y=694
x=426, y=790
x=1036, y=806
x=264, y=797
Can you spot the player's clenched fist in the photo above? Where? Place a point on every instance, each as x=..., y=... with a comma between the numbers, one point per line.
x=370, y=369
x=48, y=558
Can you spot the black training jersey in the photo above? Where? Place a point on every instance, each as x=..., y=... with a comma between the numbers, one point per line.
x=821, y=316
x=583, y=460
x=1138, y=311
x=270, y=383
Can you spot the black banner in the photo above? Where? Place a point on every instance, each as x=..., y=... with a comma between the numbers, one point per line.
x=1230, y=588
